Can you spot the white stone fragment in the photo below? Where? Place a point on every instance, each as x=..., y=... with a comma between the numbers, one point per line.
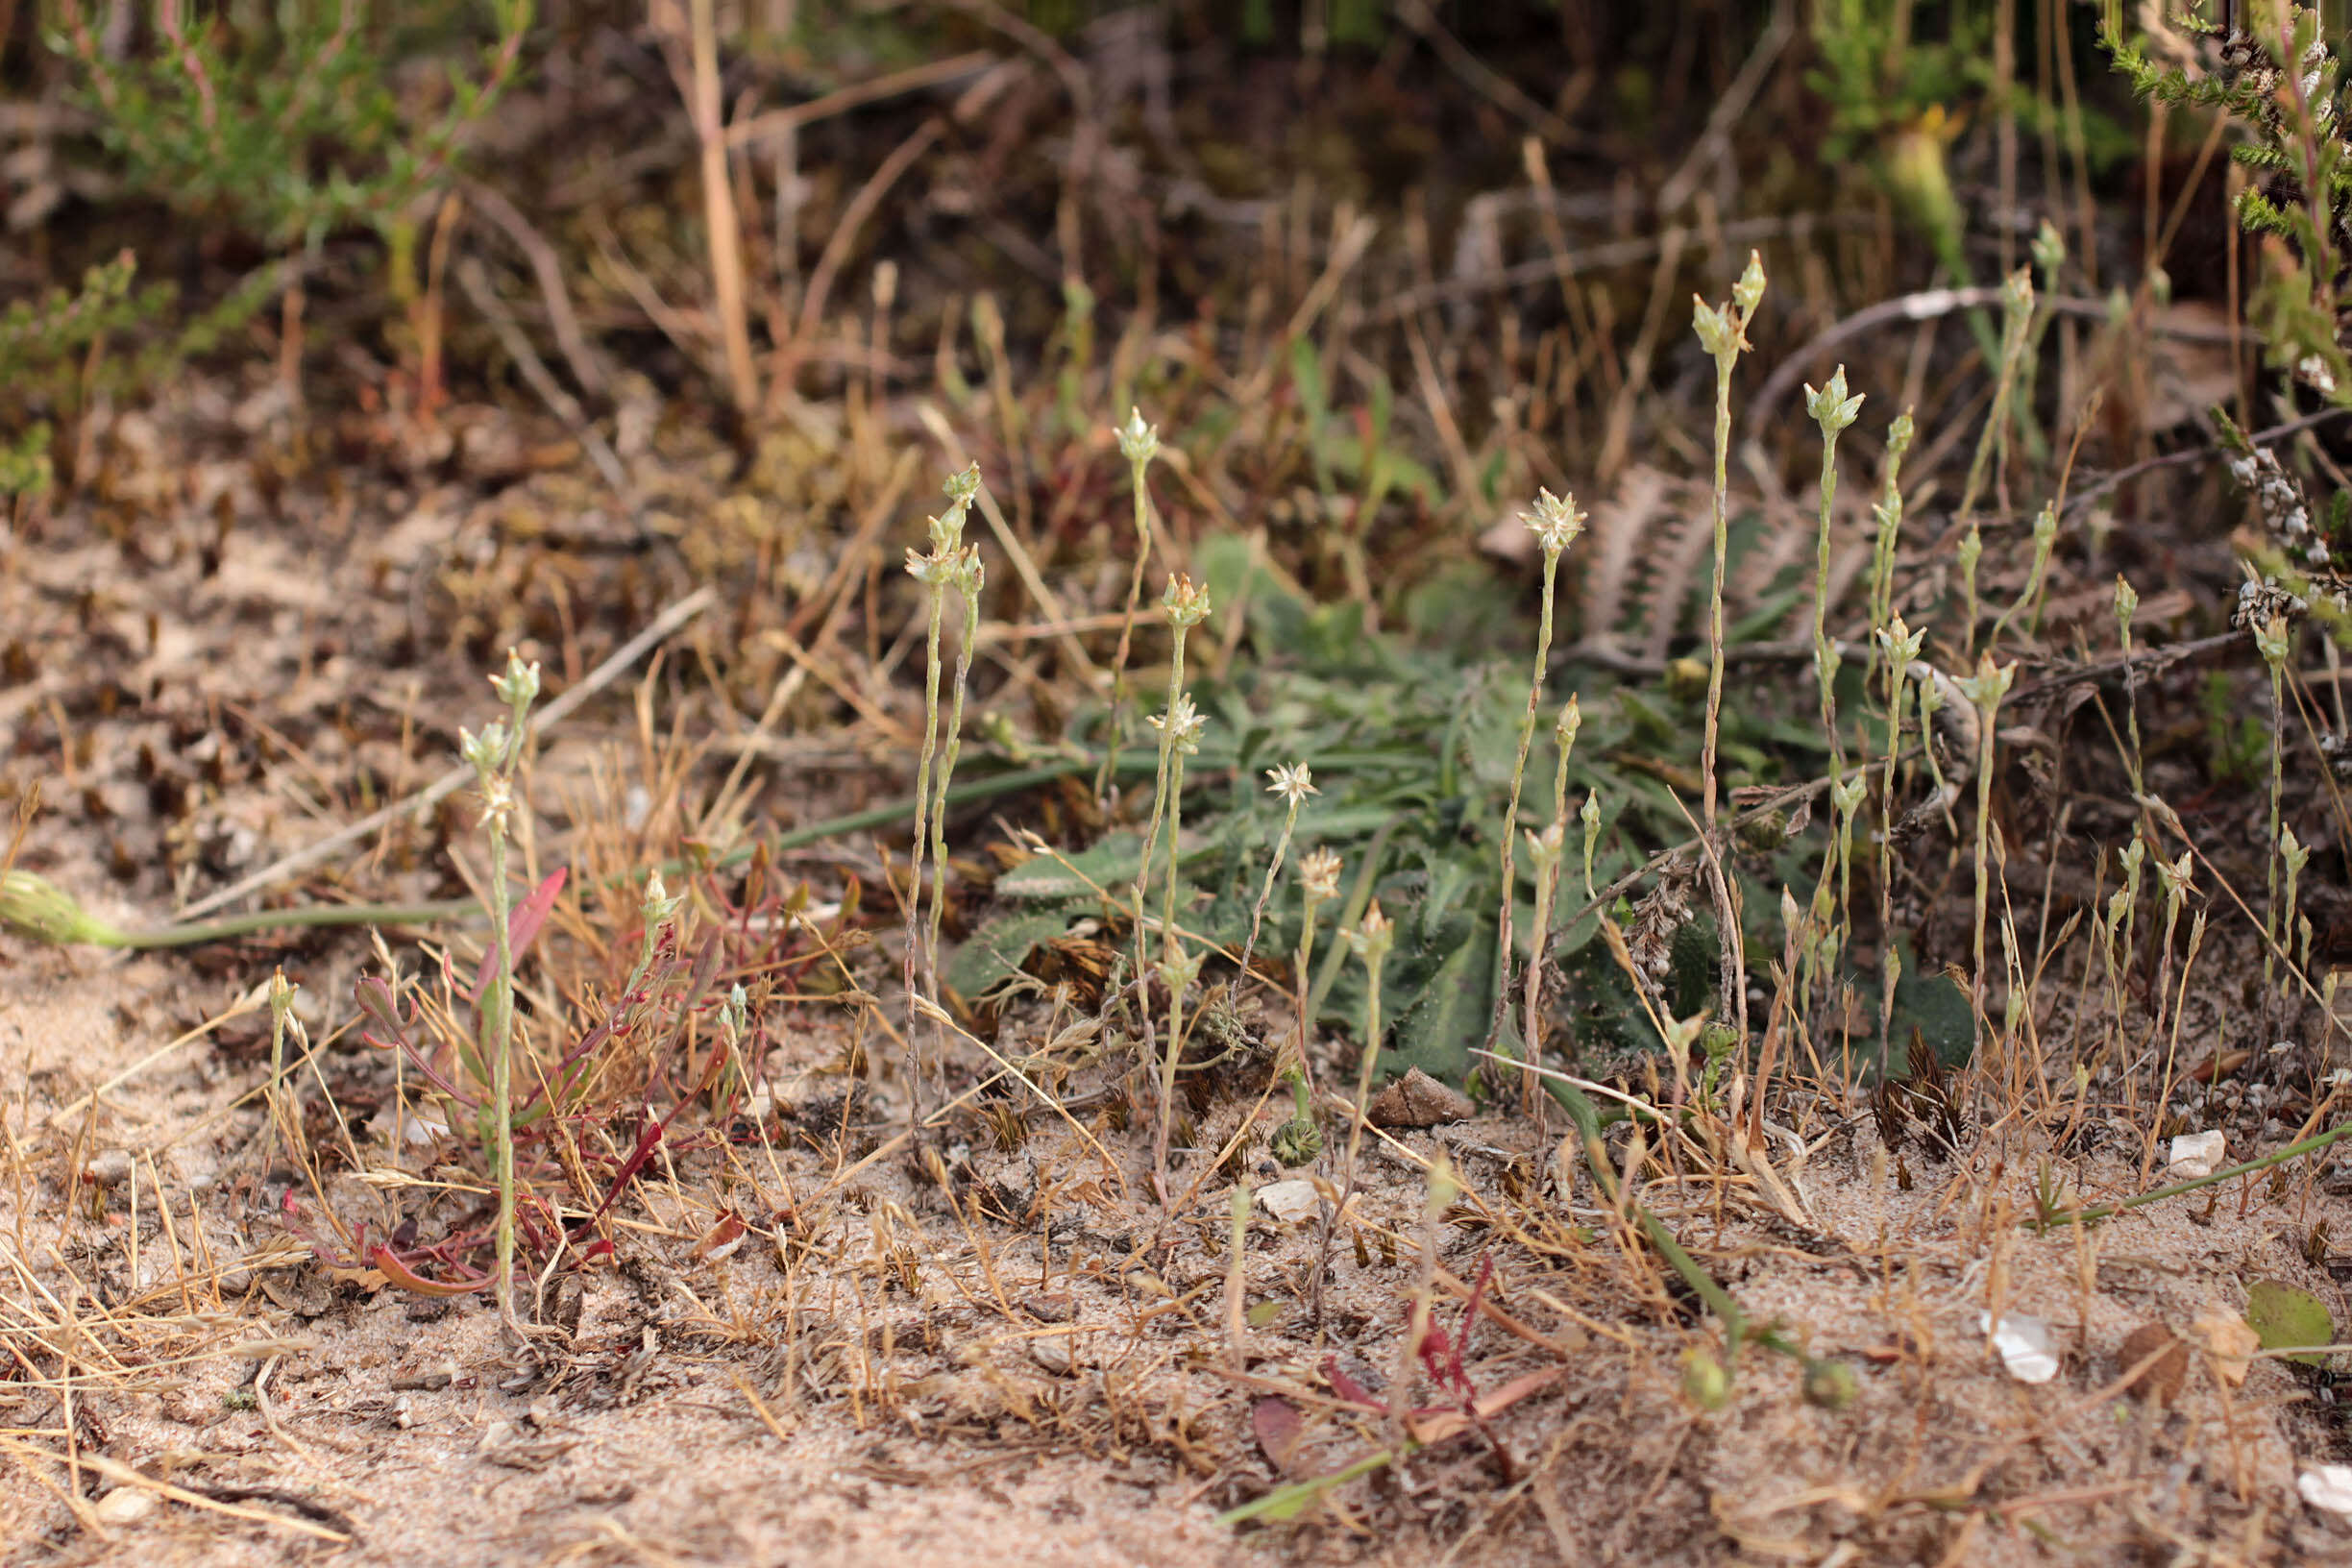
x=1289, y=1201
x=2197, y=1153
x=2329, y=1487
x=2028, y=1348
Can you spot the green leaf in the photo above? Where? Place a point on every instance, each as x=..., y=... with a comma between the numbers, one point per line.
x=1451, y=1001
x=996, y=952
x=1109, y=866
x=1285, y=1503
x=2286, y=1315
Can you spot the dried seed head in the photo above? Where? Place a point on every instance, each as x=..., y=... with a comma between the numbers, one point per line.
x=1182, y=724
x=497, y=802
x=1185, y=601
x=2270, y=642
x=1319, y=874
x=933, y=570
x=1554, y=521
x=1718, y=332
x=1294, y=782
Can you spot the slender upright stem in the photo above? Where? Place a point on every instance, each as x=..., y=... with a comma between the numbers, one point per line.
x=498, y=1016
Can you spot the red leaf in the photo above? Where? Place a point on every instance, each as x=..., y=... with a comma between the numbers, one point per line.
x=1347, y=1387
x=722, y=1239
x=407, y=1279
x=1280, y=1431
x=522, y=925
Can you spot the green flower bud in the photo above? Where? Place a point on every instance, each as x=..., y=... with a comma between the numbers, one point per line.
x=1705, y=1382
x=1830, y=1386
x=34, y=907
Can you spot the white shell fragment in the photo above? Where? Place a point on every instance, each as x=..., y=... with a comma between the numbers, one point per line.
x=2197, y=1153
x=2027, y=1346
x=1289, y=1201
x=2327, y=1486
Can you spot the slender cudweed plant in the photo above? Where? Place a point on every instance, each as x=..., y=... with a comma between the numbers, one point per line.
x=939, y=571
x=2295, y=857
x=1318, y=885
x=1833, y=412
x=1187, y=606
x=2122, y=912
x=1846, y=797
x=1984, y=690
x=1370, y=942
x=1180, y=733
x=1138, y=443
x=2126, y=606
x=1442, y=1189
x=1888, y=512
x=282, y=1013
x=1969, y=553
x=1556, y=524
x=2029, y=598
x=1900, y=645
x=495, y=756
x=1545, y=849
x=1589, y=814
x=1294, y=783
x=1723, y=331
x=969, y=576
x=2017, y=317
x=2174, y=875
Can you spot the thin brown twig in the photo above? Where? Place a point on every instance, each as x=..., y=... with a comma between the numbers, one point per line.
x=829, y=263
x=545, y=267
x=448, y=783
